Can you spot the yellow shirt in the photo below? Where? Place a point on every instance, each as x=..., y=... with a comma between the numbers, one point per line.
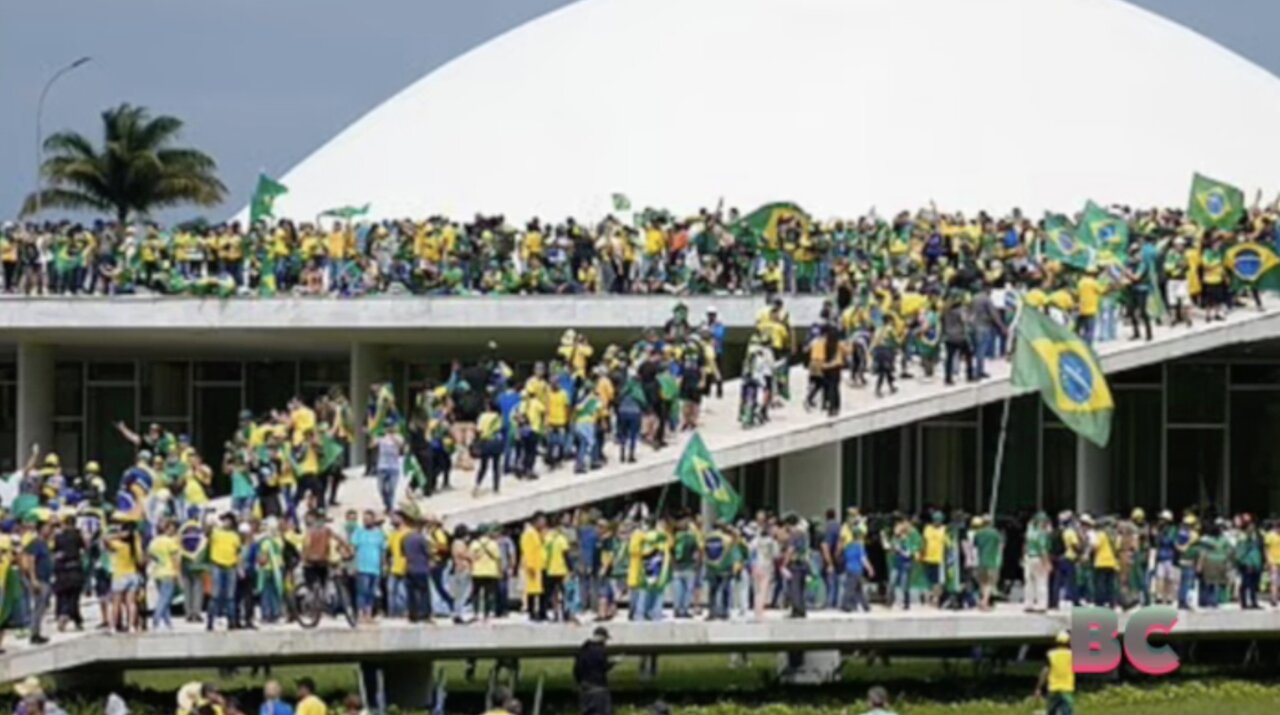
x=557, y=554
x=311, y=705
x=485, y=557
x=163, y=552
x=122, y=561
x=1036, y=298
x=194, y=490
x=302, y=420
x=558, y=408
x=635, y=565
x=534, y=411
x=935, y=542
x=654, y=242
x=224, y=548
x=1272, y=541
x=1090, y=291
x=1062, y=679
x=395, y=545
x=534, y=560
x=1104, y=555
x=337, y=244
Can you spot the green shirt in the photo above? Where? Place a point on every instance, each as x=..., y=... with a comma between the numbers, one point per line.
x=987, y=542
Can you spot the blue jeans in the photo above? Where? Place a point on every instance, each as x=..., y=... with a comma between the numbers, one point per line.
x=985, y=345
x=556, y=439
x=388, y=480
x=366, y=591
x=719, y=591
x=902, y=580
x=834, y=582
x=164, y=599
x=224, y=595
x=397, y=596
x=585, y=432
x=683, y=580
x=653, y=604
x=1184, y=586
x=270, y=601
x=628, y=431
x=1064, y=579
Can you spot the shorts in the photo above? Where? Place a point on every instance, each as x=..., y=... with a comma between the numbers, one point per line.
x=987, y=578
x=126, y=584
x=101, y=583
x=933, y=574
x=1179, y=291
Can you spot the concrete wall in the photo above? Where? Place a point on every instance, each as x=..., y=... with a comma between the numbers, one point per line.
x=35, y=399
x=809, y=481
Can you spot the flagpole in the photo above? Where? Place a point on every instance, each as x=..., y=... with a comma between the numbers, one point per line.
x=1004, y=419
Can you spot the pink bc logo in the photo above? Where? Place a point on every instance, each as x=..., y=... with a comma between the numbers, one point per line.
x=1093, y=640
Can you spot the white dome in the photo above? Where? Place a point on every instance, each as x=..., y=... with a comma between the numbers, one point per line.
x=837, y=105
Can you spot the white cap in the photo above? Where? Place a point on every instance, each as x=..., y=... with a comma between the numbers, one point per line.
x=712, y=309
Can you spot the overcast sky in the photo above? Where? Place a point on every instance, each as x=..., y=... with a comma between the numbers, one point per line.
x=262, y=83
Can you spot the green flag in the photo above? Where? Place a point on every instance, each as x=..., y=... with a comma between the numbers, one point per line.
x=1103, y=231
x=1214, y=204
x=414, y=471
x=621, y=202
x=1065, y=370
x=764, y=220
x=697, y=471
x=346, y=212
x=1060, y=244
x=264, y=198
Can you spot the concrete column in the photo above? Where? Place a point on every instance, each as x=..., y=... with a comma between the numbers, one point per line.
x=368, y=366
x=35, y=399
x=406, y=685
x=1092, y=477
x=809, y=481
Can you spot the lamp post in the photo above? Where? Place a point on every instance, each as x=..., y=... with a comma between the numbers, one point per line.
x=40, y=120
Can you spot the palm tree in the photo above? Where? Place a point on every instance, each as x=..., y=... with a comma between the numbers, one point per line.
x=136, y=171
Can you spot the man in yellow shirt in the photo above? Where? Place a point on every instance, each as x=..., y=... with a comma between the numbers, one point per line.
x=557, y=423
x=557, y=546
x=164, y=559
x=308, y=702
x=533, y=565
x=935, y=546
x=1106, y=566
x=1271, y=542
x=397, y=575
x=224, y=554
x=1059, y=677
x=1089, y=293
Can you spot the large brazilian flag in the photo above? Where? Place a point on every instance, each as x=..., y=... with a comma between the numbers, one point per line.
x=1059, y=243
x=1254, y=264
x=1104, y=231
x=697, y=471
x=1065, y=370
x=764, y=220
x=1214, y=204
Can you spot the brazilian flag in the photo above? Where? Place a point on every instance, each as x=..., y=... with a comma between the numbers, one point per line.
x=1065, y=370
x=1103, y=231
x=1060, y=244
x=262, y=205
x=346, y=213
x=1214, y=204
x=655, y=558
x=1254, y=264
x=764, y=221
x=697, y=471
x=383, y=413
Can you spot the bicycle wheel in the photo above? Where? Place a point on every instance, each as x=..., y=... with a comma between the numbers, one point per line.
x=309, y=607
x=345, y=605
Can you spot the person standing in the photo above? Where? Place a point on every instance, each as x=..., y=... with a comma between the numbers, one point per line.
x=460, y=580
x=1058, y=678
x=857, y=567
x=987, y=324
x=224, y=555
x=389, y=448
x=988, y=543
x=417, y=556
x=797, y=560
x=370, y=544
x=272, y=702
x=486, y=570
x=878, y=701
x=1035, y=564
x=591, y=666
x=37, y=570
x=936, y=541
x=308, y=702
x=764, y=558
x=533, y=565
x=719, y=547
x=685, y=563
x=68, y=573
x=164, y=554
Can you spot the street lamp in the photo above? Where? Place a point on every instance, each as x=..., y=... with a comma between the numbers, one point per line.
x=40, y=120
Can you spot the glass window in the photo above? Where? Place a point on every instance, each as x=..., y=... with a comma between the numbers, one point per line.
x=888, y=466
x=67, y=440
x=218, y=371
x=270, y=385
x=1197, y=393
x=328, y=372
x=1133, y=456
x=1146, y=375
x=1255, y=452
x=1018, y=475
x=1195, y=469
x=68, y=389
x=849, y=495
x=1256, y=374
x=165, y=388
x=8, y=427
x=107, y=406
x=8, y=372
x=1059, y=469
x=216, y=415
x=111, y=372
x=760, y=485
x=950, y=466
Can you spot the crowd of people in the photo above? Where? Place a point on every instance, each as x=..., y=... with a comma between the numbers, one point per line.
x=654, y=251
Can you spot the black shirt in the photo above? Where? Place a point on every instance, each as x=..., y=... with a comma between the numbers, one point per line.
x=591, y=665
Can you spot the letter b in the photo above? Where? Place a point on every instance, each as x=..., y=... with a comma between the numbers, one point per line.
x=1093, y=640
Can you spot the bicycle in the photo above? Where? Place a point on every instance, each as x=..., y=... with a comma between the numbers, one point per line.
x=308, y=605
